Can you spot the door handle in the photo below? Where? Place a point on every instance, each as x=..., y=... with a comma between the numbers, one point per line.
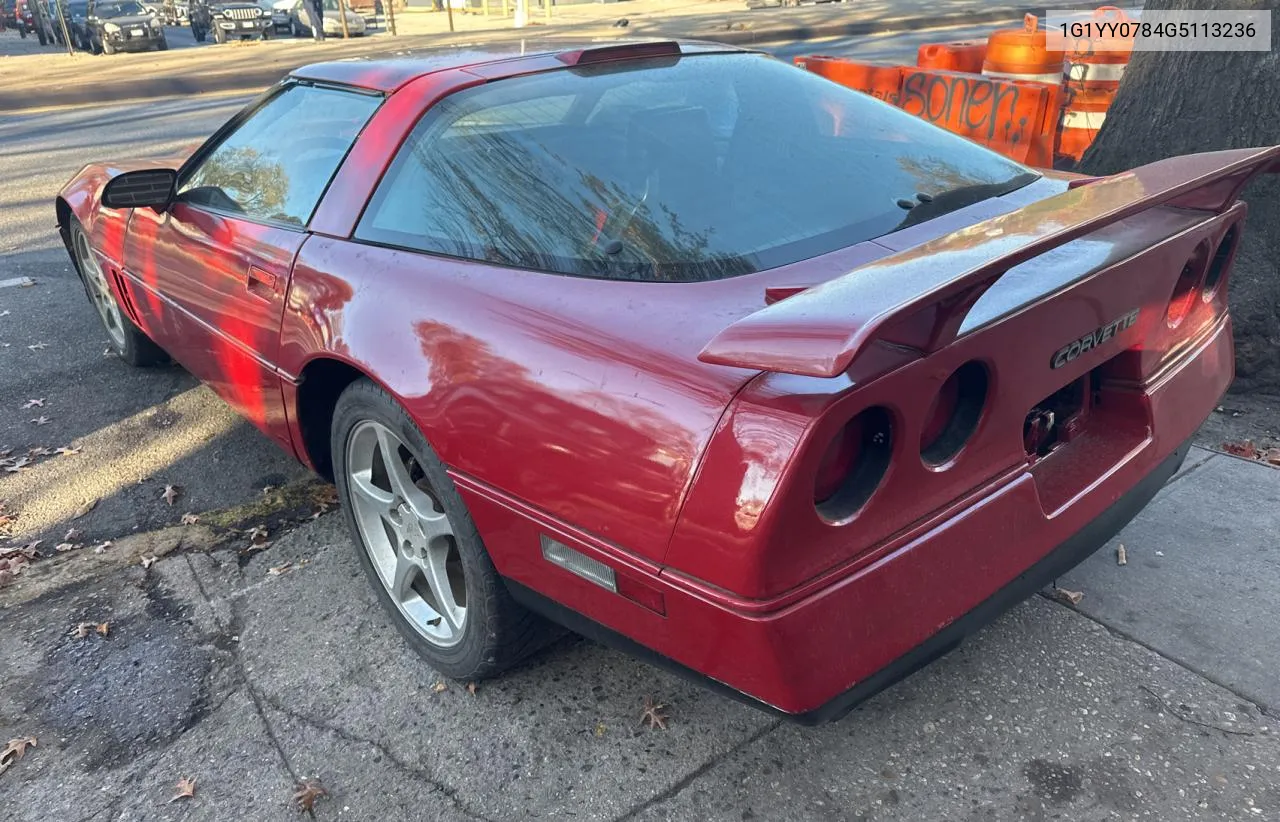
x=261, y=282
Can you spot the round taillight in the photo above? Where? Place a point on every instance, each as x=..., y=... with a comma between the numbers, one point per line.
x=955, y=413
x=853, y=465
x=1219, y=264
x=1184, y=290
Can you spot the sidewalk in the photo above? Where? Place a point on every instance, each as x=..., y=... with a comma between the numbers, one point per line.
x=1153, y=699
x=83, y=78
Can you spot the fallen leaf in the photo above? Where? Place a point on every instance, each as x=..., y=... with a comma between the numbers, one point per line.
x=85, y=628
x=66, y=451
x=308, y=792
x=268, y=489
x=147, y=562
x=190, y=519
x=652, y=714
x=38, y=346
x=40, y=450
x=1068, y=597
x=1244, y=448
x=170, y=493
x=33, y=403
x=257, y=535
x=102, y=547
x=186, y=789
x=439, y=687
x=280, y=569
x=84, y=509
x=17, y=465
x=42, y=420
x=14, y=750
x=471, y=688
x=1121, y=557
x=600, y=729
x=72, y=534
x=63, y=547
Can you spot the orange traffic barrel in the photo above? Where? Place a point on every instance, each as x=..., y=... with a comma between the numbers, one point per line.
x=1099, y=62
x=1083, y=115
x=1023, y=54
x=965, y=55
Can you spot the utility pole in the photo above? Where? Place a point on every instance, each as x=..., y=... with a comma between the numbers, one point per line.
x=448, y=6
x=342, y=14
x=62, y=21
x=391, y=14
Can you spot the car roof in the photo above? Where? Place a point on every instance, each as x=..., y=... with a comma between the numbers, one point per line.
x=494, y=60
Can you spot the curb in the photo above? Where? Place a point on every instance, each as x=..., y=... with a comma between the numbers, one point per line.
x=249, y=80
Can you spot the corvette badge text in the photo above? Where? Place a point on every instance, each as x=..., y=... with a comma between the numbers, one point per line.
x=1075, y=348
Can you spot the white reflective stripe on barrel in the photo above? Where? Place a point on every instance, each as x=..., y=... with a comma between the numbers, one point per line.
x=1095, y=72
x=1083, y=119
x=1052, y=78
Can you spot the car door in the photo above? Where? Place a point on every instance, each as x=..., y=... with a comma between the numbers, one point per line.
x=216, y=263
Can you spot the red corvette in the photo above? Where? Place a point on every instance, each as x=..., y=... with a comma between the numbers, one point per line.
x=679, y=346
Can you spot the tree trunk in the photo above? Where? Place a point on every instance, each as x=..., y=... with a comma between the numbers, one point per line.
x=1182, y=102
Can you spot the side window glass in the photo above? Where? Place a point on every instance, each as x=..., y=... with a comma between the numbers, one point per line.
x=276, y=165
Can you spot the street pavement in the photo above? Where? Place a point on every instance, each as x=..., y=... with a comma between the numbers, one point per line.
x=249, y=671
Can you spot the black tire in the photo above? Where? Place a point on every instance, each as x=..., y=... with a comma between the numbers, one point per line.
x=138, y=350
x=294, y=28
x=498, y=632
x=108, y=48
x=219, y=36
x=163, y=45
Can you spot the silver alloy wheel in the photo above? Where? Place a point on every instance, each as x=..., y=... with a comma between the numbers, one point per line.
x=407, y=535
x=99, y=292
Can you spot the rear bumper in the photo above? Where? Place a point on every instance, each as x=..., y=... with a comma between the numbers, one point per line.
x=817, y=658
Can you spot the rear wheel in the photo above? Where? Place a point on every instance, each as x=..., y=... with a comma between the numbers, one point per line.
x=419, y=546
x=107, y=47
x=126, y=339
x=219, y=36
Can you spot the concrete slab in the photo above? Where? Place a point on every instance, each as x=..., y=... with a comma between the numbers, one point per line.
x=563, y=733
x=1200, y=583
x=1045, y=715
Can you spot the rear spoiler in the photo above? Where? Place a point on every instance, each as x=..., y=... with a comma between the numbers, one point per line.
x=919, y=297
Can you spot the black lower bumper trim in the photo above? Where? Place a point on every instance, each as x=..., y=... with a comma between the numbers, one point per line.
x=1062, y=559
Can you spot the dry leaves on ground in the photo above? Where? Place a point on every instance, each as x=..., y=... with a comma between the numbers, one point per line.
x=1122, y=558
x=85, y=628
x=170, y=493
x=147, y=562
x=42, y=420
x=279, y=570
x=190, y=519
x=186, y=789
x=1250, y=451
x=84, y=509
x=652, y=714
x=103, y=547
x=439, y=687
x=15, y=750
x=308, y=791
x=1067, y=597
x=33, y=403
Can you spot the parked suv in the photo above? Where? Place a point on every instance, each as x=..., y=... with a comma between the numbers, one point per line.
x=123, y=25
x=240, y=21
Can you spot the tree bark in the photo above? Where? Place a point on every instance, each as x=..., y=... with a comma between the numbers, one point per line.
x=1182, y=102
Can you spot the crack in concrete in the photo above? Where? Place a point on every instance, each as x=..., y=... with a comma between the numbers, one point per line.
x=419, y=773
x=693, y=776
x=1262, y=708
x=244, y=673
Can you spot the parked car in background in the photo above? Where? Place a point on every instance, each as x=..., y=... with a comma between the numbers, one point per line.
x=279, y=10
x=76, y=13
x=123, y=25
x=240, y=21
x=300, y=22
